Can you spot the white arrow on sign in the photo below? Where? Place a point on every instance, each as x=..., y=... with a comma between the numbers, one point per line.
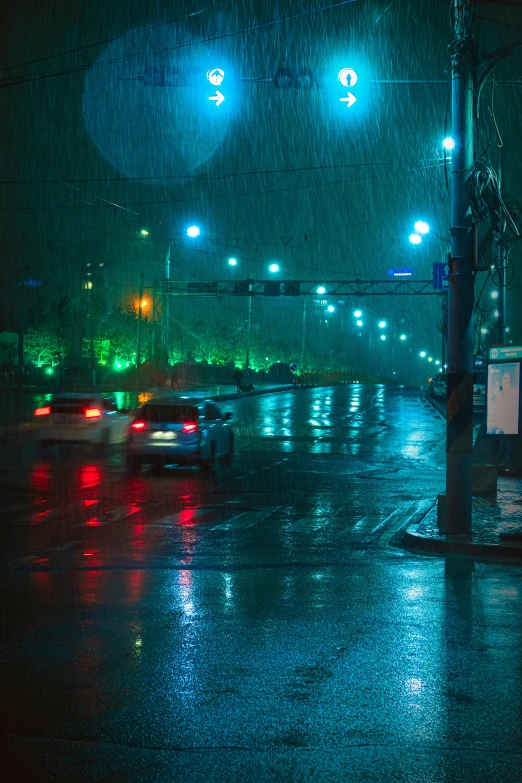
x=218, y=97
x=349, y=100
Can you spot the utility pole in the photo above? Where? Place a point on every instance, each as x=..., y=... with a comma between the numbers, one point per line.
x=459, y=420
x=140, y=308
x=303, y=333
x=249, y=324
x=166, y=309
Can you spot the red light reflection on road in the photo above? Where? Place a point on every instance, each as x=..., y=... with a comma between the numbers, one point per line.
x=87, y=503
x=40, y=516
x=89, y=476
x=93, y=522
x=41, y=477
x=134, y=581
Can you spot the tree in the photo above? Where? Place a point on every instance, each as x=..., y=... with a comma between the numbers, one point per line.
x=44, y=346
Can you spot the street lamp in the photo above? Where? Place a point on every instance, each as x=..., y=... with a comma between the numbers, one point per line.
x=494, y=294
x=415, y=239
x=382, y=324
x=193, y=231
x=357, y=313
x=331, y=309
x=421, y=227
x=448, y=143
x=143, y=232
x=359, y=323
x=383, y=337
x=422, y=354
x=403, y=337
x=273, y=268
x=321, y=289
x=232, y=261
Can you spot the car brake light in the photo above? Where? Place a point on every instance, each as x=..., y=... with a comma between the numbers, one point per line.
x=189, y=427
x=42, y=411
x=138, y=425
x=92, y=413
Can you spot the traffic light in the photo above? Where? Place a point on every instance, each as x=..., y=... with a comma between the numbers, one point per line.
x=272, y=288
x=292, y=288
x=285, y=78
x=202, y=288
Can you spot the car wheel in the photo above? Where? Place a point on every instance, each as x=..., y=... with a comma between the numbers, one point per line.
x=134, y=463
x=209, y=465
x=229, y=456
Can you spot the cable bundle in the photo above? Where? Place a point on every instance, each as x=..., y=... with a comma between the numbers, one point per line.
x=487, y=202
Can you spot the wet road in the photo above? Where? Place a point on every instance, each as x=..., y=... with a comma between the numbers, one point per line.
x=260, y=622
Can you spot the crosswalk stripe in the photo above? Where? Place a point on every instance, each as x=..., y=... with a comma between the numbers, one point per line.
x=246, y=519
x=181, y=518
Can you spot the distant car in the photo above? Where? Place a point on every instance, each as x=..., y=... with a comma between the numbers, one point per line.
x=180, y=430
x=81, y=418
x=438, y=386
x=479, y=389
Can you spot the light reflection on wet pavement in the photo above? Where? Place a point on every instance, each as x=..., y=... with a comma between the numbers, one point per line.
x=258, y=623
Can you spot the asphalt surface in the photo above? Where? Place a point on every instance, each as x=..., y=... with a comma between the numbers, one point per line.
x=259, y=623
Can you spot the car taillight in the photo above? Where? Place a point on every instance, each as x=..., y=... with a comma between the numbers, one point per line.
x=43, y=411
x=189, y=427
x=138, y=425
x=92, y=413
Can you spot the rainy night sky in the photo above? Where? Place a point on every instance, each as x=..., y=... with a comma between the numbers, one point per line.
x=90, y=155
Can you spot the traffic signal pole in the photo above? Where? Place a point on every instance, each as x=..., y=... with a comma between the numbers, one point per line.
x=459, y=421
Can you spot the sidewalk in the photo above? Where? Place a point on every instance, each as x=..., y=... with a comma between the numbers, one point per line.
x=496, y=527
x=221, y=392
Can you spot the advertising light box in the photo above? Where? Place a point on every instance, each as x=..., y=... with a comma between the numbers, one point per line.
x=503, y=399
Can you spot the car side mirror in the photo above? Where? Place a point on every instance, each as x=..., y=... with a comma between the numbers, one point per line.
x=228, y=415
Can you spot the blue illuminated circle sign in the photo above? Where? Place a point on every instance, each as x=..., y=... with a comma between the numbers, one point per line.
x=215, y=76
x=348, y=77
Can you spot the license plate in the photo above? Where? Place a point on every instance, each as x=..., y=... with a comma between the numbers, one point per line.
x=164, y=436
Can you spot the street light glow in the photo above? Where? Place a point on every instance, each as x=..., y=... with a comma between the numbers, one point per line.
x=382, y=324
x=422, y=354
x=321, y=289
x=273, y=268
x=403, y=336
x=357, y=313
x=483, y=330
x=494, y=294
x=232, y=261
x=331, y=309
x=421, y=227
x=359, y=323
x=448, y=144
x=193, y=231
x=143, y=232
x=415, y=239
x=437, y=362
x=144, y=303
x=383, y=337
x=430, y=359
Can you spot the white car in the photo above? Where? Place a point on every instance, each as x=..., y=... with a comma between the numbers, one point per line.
x=180, y=430
x=81, y=418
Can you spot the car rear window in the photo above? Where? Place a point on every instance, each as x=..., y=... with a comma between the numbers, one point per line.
x=171, y=414
x=71, y=405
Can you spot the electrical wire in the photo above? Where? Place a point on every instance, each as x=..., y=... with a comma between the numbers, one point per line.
x=183, y=18
x=267, y=191
x=10, y=82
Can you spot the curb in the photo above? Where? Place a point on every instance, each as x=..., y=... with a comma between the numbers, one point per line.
x=412, y=540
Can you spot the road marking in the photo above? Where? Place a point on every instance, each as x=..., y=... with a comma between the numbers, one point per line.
x=123, y=511
x=246, y=519
x=308, y=524
x=181, y=518
x=64, y=547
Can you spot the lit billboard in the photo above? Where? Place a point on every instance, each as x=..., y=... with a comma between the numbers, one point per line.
x=503, y=399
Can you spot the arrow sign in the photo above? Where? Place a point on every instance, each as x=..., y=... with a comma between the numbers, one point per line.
x=349, y=100
x=218, y=97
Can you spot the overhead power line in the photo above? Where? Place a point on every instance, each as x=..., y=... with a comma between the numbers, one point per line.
x=10, y=82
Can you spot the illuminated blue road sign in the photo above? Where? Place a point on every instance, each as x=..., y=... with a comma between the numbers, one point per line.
x=440, y=276
x=400, y=272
